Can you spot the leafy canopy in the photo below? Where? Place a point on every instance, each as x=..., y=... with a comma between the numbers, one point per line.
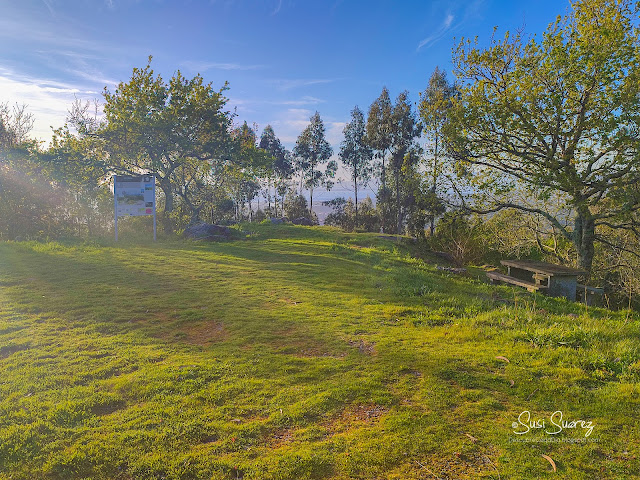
x=559, y=114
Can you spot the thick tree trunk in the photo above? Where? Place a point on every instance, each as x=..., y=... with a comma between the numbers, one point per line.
x=268, y=194
x=355, y=189
x=384, y=196
x=275, y=203
x=311, y=194
x=398, y=206
x=432, y=217
x=434, y=185
x=165, y=186
x=584, y=234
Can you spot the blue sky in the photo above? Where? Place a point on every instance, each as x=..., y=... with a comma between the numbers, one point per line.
x=283, y=59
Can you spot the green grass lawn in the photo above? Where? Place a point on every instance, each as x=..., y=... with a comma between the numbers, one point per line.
x=300, y=353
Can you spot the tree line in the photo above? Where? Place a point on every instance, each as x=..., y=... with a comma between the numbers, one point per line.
x=533, y=150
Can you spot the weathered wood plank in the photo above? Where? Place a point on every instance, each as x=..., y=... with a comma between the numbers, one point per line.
x=501, y=277
x=545, y=268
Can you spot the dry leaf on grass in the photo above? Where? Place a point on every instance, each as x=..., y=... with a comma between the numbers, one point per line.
x=473, y=439
x=504, y=359
x=550, y=460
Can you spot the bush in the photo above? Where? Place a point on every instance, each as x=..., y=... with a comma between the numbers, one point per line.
x=343, y=215
x=461, y=237
x=296, y=206
x=258, y=216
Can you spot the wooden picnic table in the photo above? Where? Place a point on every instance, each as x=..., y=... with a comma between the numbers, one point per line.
x=556, y=280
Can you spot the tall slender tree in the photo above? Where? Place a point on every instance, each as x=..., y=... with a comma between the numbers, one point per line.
x=356, y=154
x=314, y=151
x=435, y=104
x=280, y=168
x=379, y=137
x=379, y=130
x=406, y=129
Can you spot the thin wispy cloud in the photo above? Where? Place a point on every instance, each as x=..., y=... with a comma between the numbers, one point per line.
x=306, y=100
x=278, y=7
x=246, y=106
x=49, y=5
x=439, y=33
x=288, y=84
x=204, y=66
x=290, y=122
x=46, y=36
x=473, y=10
x=48, y=100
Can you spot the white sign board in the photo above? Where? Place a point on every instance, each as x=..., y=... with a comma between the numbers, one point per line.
x=134, y=196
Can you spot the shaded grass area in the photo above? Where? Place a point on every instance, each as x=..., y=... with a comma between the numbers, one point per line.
x=299, y=353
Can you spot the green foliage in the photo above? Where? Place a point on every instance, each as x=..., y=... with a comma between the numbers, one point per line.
x=31, y=205
x=393, y=129
x=296, y=206
x=178, y=129
x=280, y=169
x=78, y=165
x=461, y=237
x=435, y=103
x=312, y=151
x=258, y=216
x=356, y=154
x=15, y=124
x=344, y=215
x=404, y=152
x=379, y=128
x=558, y=114
x=379, y=137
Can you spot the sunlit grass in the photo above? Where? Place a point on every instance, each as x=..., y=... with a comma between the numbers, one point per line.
x=297, y=353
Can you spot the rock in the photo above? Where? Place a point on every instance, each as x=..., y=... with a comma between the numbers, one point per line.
x=302, y=221
x=278, y=221
x=206, y=231
x=216, y=238
x=457, y=271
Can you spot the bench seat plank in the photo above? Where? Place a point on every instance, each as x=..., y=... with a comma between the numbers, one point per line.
x=501, y=277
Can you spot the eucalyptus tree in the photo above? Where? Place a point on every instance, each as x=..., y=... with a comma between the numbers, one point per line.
x=356, y=154
x=404, y=149
x=313, y=152
x=250, y=162
x=435, y=104
x=379, y=137
x=559, y=115
x=280, y=168
x=379, y=130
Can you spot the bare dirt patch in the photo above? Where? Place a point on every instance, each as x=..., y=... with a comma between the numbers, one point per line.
x=206, y=333
x=281, y=437
x=366, y=348
x=355, y=416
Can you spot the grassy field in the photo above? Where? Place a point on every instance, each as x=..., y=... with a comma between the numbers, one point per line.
x=300, y=353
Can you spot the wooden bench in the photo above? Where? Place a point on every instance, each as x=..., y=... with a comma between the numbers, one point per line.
x=496, y=277
x=589, y=295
